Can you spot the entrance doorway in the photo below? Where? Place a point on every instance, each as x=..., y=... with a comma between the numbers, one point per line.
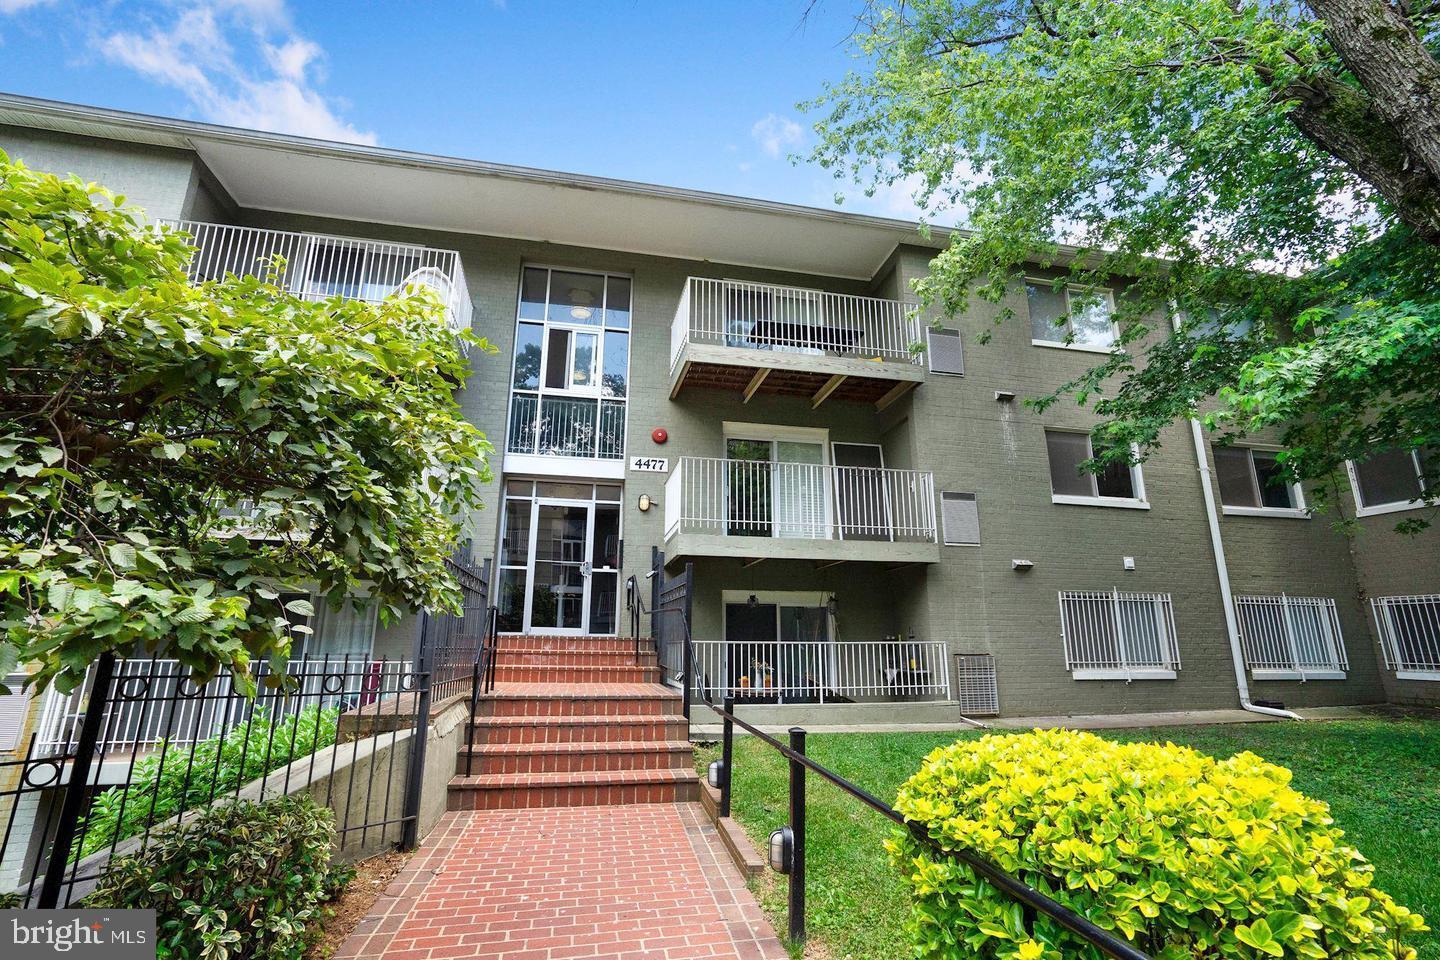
x=560, y=549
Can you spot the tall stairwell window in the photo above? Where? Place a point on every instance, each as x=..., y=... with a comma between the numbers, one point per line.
x=571, y=374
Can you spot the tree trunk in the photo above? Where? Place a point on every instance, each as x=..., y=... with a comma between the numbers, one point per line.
x=1388, y=131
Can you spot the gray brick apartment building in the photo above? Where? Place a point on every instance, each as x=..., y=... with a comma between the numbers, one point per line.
x=879, y=528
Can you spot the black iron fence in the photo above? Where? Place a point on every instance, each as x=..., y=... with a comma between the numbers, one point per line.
x=673, y=615
x=141, y=745
x=670, y=613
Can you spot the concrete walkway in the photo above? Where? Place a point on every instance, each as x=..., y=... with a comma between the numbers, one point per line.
x=639, y=882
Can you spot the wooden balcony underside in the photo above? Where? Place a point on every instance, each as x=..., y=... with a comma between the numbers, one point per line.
x=752, y=373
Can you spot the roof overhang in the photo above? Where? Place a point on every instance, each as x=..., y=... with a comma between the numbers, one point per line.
x=288, y=174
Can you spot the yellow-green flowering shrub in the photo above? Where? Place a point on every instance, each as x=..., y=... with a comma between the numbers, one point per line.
x=1183, y=855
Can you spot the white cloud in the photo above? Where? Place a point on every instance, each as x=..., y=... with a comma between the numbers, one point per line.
x=776, y=134
x=15, y=6
x=240, y=62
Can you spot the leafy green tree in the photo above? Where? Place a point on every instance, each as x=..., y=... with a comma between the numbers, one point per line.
x=139, y=409
x=1269, y=171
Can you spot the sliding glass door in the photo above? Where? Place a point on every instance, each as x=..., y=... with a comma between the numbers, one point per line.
x=777, y=488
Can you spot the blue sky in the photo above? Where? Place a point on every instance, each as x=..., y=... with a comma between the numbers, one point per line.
x=698, y=95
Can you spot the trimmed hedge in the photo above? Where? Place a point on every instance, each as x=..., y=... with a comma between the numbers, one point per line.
x=1184, y=855
x=243, y=879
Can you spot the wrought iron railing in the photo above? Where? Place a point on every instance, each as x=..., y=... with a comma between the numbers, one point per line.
x=319, y=267
x=765, y=316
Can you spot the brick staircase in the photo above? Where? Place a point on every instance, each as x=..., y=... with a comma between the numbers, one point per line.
x=575, y=721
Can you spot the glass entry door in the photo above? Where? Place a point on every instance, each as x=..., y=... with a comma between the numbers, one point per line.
x=560, y=558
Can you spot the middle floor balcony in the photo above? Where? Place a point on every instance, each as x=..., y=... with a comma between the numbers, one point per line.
x=759, y=510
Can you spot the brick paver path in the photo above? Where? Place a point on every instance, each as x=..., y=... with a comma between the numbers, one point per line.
x=639, y=882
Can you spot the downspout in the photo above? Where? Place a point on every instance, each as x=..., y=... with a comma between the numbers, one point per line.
x=1222, y=570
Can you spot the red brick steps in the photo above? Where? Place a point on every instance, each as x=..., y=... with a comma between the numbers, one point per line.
x=512, y=730
x=571, y=721
x=576, y=757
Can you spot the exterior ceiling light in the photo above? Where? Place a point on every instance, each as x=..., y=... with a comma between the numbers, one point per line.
x=583, y=300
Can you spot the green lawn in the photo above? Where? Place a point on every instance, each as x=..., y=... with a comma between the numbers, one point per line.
x=1381, y=778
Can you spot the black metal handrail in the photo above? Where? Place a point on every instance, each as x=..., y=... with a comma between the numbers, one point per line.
x=1028, y=896
x=483, y=679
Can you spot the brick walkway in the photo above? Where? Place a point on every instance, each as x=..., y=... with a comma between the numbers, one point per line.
x=639, y=882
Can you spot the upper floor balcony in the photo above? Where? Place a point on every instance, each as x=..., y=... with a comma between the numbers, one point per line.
x=766, y=509
x=318, y=266
x=759, y=338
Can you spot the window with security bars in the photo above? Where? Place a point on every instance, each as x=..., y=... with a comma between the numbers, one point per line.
x=1292, y=637
x=976, y=686
x=1409, y=629
x=1119, y=636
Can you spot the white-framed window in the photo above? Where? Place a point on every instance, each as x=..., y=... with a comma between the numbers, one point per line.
x=1409, y=629
x=1218, y=320
x=571, y=372
x=1118, y=485
x=1389, y=481
x=1252, y=483
x=1291, y=638
x=1110, y=635
x=1075, y=317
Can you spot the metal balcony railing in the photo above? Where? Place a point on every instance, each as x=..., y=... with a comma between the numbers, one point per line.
x=805, y=671
x=805, y=501
x=561, y=426
x=763, y=316
x=318, y=266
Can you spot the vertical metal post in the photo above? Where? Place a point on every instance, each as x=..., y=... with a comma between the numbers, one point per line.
x=685, y=635
x=727, y=754
x=70, y=807
x=415, y=776
x=797, y=831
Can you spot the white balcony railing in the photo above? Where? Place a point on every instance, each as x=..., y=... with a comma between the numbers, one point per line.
x=1409, y=630
x=805, y=671
x=152, y=700
x=1297, y=636
x=804, y=501
x=561, y=426
x=763, y=316
x=318, y=267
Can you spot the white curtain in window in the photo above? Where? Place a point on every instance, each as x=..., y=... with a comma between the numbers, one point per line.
x=348, y=631
x=799, y=490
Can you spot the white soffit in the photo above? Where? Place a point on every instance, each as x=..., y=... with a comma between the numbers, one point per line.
x=266, y=171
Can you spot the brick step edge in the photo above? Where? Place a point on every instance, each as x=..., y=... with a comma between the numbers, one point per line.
x=733, y=837
x=577, y=672
x=523, y=781
x=576, y=720
x=580, y=746
x=617, y=657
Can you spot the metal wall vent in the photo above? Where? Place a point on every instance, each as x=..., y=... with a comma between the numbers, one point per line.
x=976, y=685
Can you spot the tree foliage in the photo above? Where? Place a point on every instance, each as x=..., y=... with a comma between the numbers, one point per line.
x=139, y=409
x=1270, y=176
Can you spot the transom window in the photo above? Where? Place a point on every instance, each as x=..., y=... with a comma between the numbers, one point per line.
x=1253, y=481
x=1072, y=316
x=1119, y=484
x=1390, y=480
x=572, y=364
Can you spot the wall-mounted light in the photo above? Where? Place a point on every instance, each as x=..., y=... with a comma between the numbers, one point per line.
x=1022, y=565
x=782, y=849
x=645, y=503
x=753, y=601
x=1004, y=396
x=714, y=773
